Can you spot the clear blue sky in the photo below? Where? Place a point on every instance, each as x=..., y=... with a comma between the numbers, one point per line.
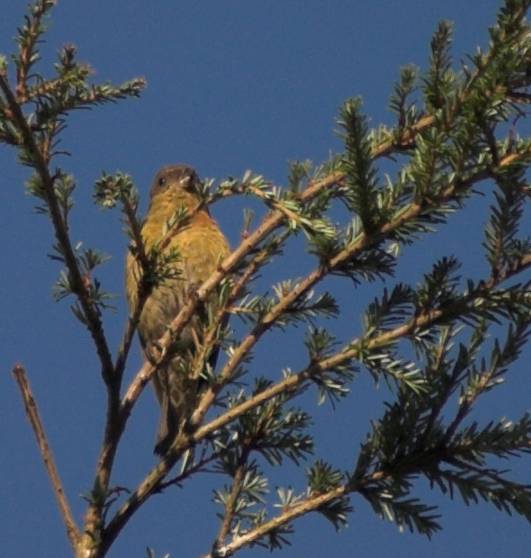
x=232, y=85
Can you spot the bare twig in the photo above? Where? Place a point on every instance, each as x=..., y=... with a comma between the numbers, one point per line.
x=32, y=413
x=197, y=468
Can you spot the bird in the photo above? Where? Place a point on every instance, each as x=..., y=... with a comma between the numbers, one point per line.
x=201, y=246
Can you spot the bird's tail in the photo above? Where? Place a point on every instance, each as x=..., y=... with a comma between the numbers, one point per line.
x=177, y=396
x=168, y=427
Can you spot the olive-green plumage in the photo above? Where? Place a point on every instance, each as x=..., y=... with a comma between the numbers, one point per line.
x=201, y=246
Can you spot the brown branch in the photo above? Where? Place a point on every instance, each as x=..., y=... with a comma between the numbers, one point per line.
x=39, y=155
x=147, y=487
x=136, y=232
x=238, y=287
x=115, y=423
x=132, y=322
x=32, y=413
x=42, y=89
x=230, y=505
x=310, y=504
x=40, y=163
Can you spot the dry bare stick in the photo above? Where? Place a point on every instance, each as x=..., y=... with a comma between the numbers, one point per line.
x=32, y=413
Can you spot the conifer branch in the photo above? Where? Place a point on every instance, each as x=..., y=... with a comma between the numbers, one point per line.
x=293, y=384
x=450, y=143
x=40, y=161
x=364, y=241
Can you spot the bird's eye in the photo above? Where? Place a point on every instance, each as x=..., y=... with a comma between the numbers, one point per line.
x=162, y=181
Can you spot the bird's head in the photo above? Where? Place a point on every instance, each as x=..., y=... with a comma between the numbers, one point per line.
x=175, y=186
x=175, y=183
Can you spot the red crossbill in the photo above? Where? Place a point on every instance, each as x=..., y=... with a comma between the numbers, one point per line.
x=201, y=246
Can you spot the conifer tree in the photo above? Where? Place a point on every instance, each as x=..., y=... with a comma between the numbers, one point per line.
x=438, y=346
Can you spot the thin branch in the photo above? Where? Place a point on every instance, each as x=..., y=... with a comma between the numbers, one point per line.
x=466, y=403
x=132, y=322
x=27, y=52
x=310, y=504
x=239, y=287
x=230, y=504
x=32, y=413
x=437, y=406
x=115, y=423
x=197, y=468
x=41, y=163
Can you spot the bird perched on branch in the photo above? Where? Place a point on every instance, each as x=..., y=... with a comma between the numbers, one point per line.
x=200, y=246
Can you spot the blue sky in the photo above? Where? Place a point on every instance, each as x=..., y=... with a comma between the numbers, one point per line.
x=231, y=85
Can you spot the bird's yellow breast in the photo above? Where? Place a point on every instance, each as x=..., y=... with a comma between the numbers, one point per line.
x=201, y=247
